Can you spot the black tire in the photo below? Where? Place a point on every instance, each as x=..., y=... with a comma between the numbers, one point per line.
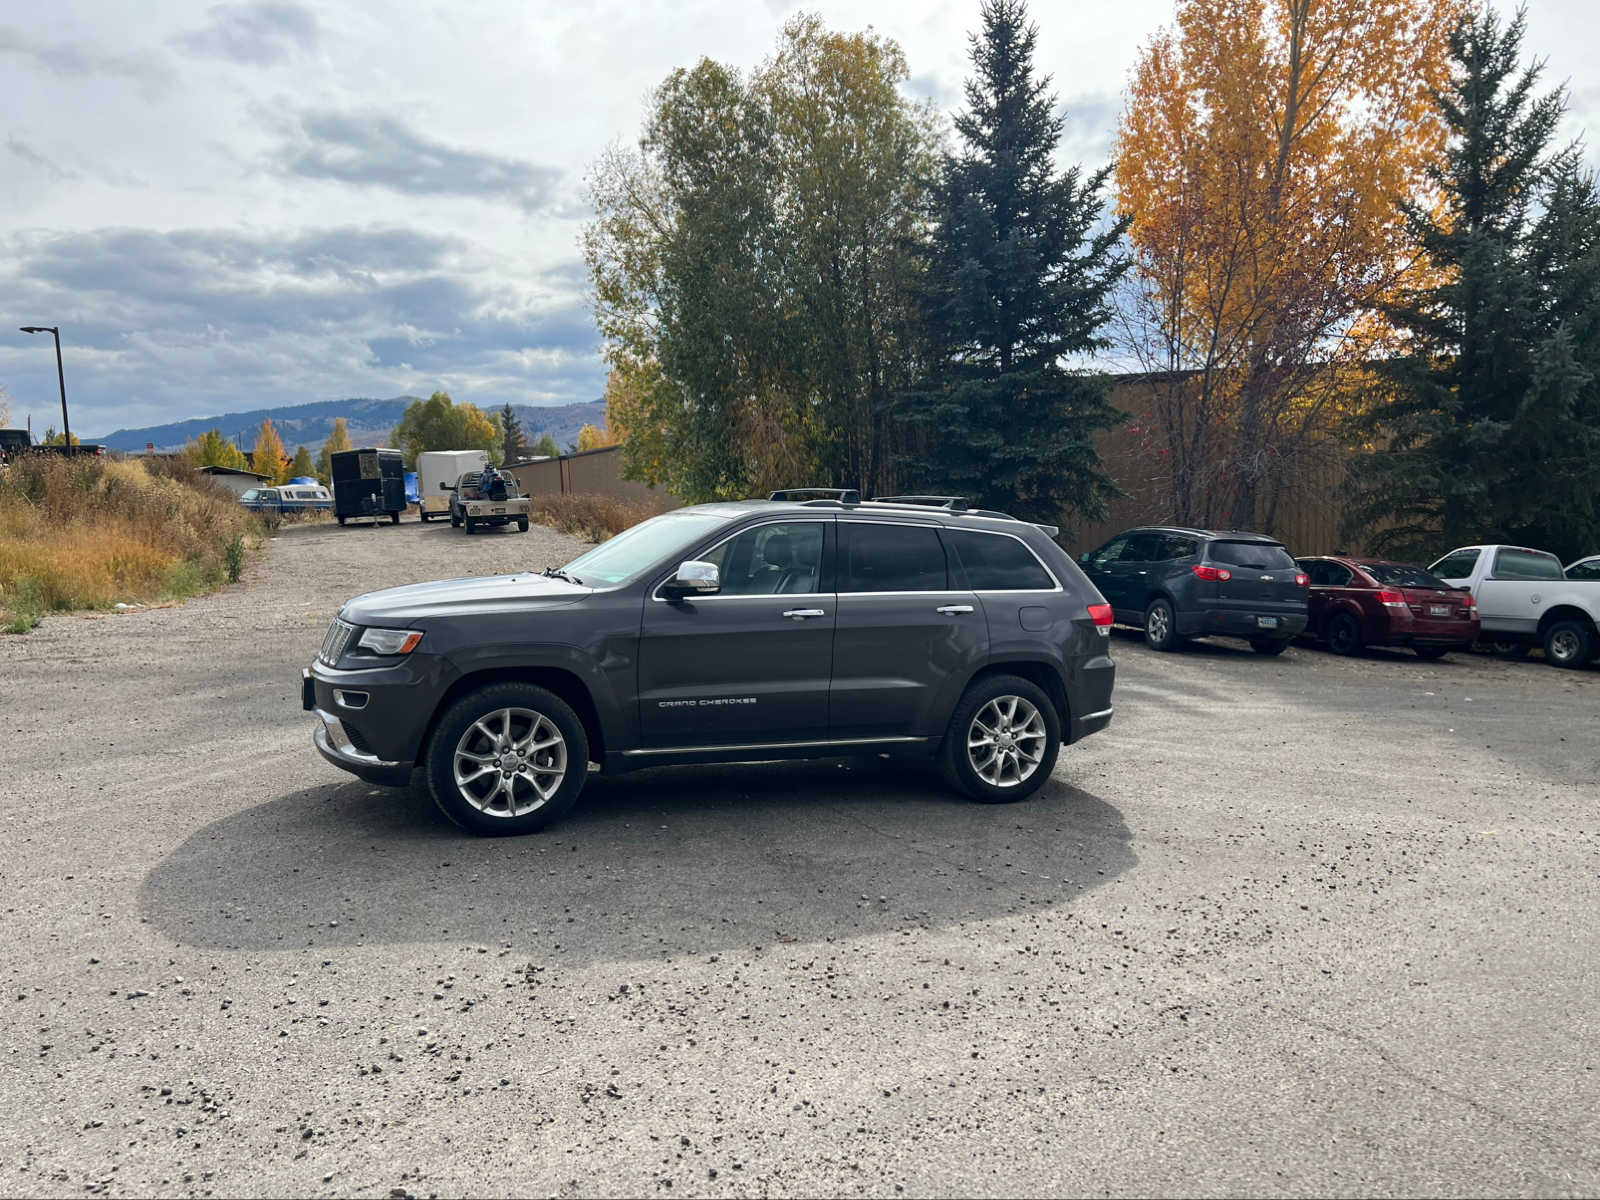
x=522, y=524
x=1269, y=646
x=472, y=526
x=1161, y=626
x=956, y=762
x=1431, y=653
x=455, y=519
x=341, y=520
x=1568, y=644
x=454, y=725
x=1343, y=633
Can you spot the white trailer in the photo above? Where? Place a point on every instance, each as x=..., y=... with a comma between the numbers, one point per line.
x=437, y=472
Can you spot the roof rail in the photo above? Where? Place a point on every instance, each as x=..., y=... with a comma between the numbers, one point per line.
x=842, y=495
x=953, y=503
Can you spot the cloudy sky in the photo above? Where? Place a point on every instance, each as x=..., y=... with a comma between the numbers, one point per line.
x=238, y=205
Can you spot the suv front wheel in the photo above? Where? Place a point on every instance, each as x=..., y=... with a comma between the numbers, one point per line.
x=508, y=758
x=1002, y=741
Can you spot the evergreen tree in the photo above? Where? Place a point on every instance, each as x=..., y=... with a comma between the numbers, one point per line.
x=302, y=464
x=1492, y=429
x=1019, y=271
x=513, y=446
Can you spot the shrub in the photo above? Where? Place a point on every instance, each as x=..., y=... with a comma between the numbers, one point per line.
x=591, y=516
x=86, y=533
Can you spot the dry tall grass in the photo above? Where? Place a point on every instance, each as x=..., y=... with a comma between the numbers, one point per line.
x=86, y=533
x=591, y=516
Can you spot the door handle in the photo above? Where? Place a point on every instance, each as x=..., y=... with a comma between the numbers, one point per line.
x=800, y=614
x=954, y=610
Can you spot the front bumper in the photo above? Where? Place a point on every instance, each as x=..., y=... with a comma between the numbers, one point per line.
x=333, y=743
x=372, y=723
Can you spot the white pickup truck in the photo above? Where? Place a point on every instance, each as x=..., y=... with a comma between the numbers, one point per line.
x=1525, y=599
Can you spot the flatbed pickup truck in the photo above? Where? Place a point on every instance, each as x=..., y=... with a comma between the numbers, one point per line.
x=488, y=498
x=1525, y=599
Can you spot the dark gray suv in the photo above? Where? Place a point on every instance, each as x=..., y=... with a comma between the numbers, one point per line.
x=786, y=628
x=1177, y=583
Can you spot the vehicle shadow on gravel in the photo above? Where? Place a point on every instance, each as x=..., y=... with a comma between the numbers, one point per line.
x=684, y=861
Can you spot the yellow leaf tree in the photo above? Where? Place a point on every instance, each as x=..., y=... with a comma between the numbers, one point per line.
x=214, y=449
x=269, y=456
x=338, y=440
x=592, y=438
x=1267, y=151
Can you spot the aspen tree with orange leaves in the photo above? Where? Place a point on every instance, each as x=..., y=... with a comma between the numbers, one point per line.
x=1266, y=150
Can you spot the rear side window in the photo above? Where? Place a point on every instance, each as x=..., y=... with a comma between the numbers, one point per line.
x=893, y=558
x=1526, y=564
x=1175, y=547
x=1456, y=566
x=1259, y=556
x=995, y=563
x=1399, y=575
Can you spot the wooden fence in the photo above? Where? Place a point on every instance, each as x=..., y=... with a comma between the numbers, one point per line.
x=595, y=472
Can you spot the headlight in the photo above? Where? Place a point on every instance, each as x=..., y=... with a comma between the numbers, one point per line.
x=389, y=642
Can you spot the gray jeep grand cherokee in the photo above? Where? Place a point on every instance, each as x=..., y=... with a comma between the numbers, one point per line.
x=808, y=625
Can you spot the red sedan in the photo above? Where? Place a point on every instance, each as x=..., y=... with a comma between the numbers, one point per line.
x=1358, y=602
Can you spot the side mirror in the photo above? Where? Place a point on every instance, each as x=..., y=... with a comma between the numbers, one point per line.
x=694, y=579
x=1083, y=559
x=449, y=487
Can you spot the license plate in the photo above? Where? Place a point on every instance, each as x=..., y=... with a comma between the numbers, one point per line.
x=497, y=510
x=1438, y=610
x=1266, y=622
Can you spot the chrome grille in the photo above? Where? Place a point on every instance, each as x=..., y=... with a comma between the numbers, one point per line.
x=333, y=643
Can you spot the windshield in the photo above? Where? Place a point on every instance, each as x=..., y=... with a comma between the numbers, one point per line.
x=638, y=549
x=1400, y=575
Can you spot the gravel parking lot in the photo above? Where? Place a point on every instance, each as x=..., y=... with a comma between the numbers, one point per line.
x=1303, y=925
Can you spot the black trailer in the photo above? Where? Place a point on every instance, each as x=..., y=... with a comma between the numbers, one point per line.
x=370, y=482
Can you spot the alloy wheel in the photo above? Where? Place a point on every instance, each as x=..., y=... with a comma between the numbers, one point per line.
x=1006, y=741
x=509, y=762
x=1158, y=623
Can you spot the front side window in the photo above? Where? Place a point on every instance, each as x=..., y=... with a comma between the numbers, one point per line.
x=1456, y=566
x=996, y=563
x=1526, y=564
x=1111, y=552
x=1589, y=569
x=893, y=558
x=771, y=560
x=1258, y=556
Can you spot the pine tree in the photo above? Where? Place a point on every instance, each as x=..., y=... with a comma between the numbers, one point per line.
x=511, y=429
x=1020, y=268
x=1492, y=430
x=302, y=464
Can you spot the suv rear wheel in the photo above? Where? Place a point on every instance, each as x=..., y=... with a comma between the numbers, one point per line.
x=1002, y=741
x=509, y=758
x=1160, y=627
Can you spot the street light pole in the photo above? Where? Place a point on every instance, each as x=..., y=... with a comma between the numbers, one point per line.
x=61, y=378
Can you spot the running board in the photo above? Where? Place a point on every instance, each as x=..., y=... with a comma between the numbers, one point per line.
x=760, y=747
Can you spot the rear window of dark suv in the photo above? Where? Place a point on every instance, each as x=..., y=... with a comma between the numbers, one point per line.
x=1260, y=556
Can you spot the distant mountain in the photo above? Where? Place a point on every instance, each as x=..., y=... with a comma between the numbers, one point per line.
x=370, y=422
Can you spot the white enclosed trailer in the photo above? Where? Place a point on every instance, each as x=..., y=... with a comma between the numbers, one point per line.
x=437, y=472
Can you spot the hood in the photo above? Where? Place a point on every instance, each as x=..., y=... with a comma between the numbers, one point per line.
x=414, y=602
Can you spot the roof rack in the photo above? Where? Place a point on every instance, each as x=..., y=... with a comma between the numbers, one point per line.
x=953, y=503
x=841, y=495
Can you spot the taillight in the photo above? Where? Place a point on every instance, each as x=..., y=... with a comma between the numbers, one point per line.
x=1212, y=574
x=1100, y=614
x=1303, y=580
x=1468, y=602
x=1392, y=599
